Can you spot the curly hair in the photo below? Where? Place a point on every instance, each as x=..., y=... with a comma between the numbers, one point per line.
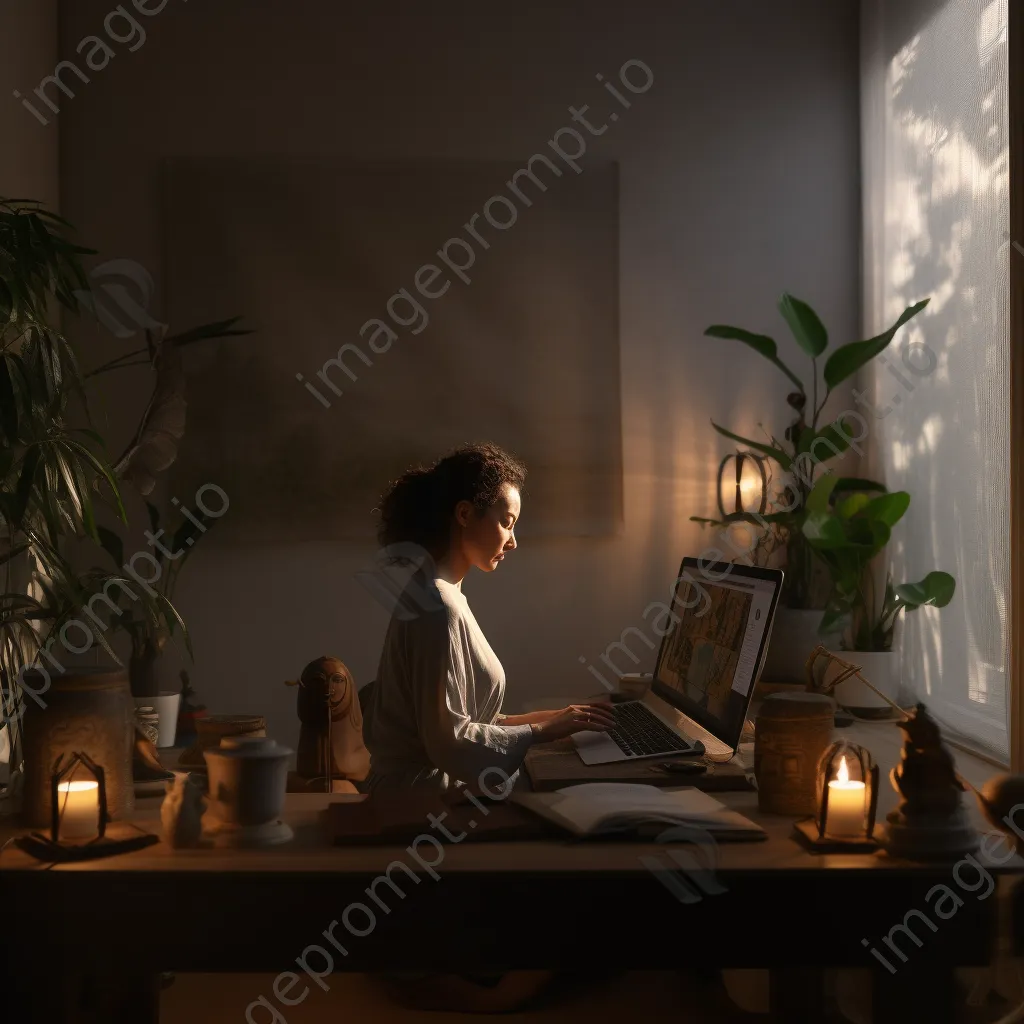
x=418, y=506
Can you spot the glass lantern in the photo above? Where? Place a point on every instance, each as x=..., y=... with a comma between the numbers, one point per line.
x=847, y=787
x=78, y=801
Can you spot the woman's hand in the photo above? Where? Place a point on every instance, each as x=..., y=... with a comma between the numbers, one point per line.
x=574, y=718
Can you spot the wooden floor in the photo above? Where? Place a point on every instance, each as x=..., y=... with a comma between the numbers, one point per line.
x=627, y=997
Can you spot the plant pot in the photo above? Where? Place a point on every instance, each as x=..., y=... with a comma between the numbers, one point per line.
x=88, y=711
x=881, y=668
x=794, y=635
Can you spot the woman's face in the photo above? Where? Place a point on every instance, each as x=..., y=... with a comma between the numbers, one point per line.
x=486, y=537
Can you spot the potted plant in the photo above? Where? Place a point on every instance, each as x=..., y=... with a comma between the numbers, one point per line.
x=54, y=476
x=850, y=535
x=808, y=444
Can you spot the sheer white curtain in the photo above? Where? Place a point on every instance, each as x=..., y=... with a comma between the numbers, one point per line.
x=936, y=217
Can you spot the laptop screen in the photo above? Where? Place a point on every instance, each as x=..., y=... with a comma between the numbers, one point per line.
x=709, y=659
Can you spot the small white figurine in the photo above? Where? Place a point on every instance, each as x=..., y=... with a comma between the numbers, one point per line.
x=181, y=812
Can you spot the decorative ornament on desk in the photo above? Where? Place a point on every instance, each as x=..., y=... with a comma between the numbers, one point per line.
x=211, y=729
x=827, y=673
x=79, y=816
x=930, y=823
x=181, y=812
x=248, y=777
x=1002, y=800
x=847, y=801
x=790, y=733
x=331, y=744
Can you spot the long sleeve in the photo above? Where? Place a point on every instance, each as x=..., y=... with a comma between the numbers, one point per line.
x=445, y=692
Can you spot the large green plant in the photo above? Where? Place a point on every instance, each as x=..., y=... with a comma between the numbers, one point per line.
x=850, y=535
x=808, y=443
x=54, y=476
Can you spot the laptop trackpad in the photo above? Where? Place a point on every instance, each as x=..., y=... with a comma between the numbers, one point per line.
x=597, y=747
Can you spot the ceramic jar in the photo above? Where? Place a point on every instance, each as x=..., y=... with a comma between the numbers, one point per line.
x=248, y=777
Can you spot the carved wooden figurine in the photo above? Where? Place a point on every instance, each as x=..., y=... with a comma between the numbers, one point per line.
x=930, y=823
x=331, y=738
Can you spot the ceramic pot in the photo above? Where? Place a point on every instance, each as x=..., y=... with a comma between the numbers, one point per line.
x=166, y=703
x=87, y=710
x=248, y=776
x=880, y=668
x=794, y=635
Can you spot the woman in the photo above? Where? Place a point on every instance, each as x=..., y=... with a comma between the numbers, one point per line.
x=434, y=718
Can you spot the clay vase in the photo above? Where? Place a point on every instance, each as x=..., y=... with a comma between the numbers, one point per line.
x=85, y=710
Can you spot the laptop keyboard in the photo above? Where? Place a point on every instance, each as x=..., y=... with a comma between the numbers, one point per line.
x=638, y=732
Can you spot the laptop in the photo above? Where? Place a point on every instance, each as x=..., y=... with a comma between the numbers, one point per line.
x=709, y=660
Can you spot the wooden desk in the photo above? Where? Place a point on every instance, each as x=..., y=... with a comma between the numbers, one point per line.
x=564, y=905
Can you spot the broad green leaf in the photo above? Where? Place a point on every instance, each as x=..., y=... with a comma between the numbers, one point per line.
x=808, y=330
x=846, y=361
x=821, y=492
x=867, y=535
x=850, y=506
x=936, y=588
x=834, y=439
x=889, y=508
x=781, y=457
x=824, y=530
x=760, y=343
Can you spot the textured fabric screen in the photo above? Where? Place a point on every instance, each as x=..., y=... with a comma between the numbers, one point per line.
x=936, y=204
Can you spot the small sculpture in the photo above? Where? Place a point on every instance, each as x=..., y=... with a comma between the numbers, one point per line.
x=930, y=822
x=181, y=812
x=331, y=738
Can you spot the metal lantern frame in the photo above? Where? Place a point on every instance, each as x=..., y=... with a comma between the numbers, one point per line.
x=740, y=457
x=827, y=765
x=61, y=774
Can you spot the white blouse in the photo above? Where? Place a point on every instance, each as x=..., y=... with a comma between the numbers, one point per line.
x=433, y=717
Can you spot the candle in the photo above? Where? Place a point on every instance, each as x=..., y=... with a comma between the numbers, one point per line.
x=78, y=804
x=845, y=804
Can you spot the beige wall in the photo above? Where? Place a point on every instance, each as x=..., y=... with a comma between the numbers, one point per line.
x=739, y=179
x=28, y=53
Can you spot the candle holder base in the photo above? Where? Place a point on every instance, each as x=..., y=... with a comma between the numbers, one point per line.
x=45, y=849
x=806, y=833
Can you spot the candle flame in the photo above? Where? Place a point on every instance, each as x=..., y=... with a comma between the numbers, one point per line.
x=843, y=775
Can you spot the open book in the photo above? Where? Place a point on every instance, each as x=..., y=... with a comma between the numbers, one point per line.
x=604, y=808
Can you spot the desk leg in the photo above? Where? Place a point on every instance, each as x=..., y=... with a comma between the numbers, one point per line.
x=55, y=993
x=798, y=995
x=909, y=994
